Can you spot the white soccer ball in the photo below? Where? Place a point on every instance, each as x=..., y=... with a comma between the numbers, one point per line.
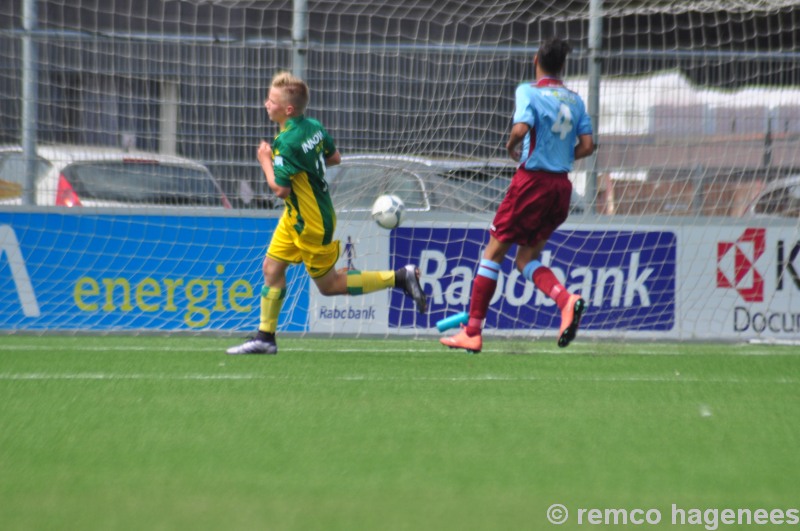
x=388, y=211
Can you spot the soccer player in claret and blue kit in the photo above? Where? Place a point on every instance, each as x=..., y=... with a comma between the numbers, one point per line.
x=551, y=129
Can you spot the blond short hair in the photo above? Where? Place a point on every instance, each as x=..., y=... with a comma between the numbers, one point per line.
x=294, y=89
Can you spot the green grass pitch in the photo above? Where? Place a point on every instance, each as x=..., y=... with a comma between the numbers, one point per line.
x=146, y=433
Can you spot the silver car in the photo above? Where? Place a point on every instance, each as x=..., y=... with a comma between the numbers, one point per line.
x=75, y=176
x=780, y=197
x=424, y=184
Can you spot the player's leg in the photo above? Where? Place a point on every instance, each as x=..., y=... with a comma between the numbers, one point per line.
x=546, y=203
x=572, y=306
x=507, y=228
x=272, y=295
x=356, y=282
x=320, y=262
x=483, y=288
x=282, y=252
x=271, y=301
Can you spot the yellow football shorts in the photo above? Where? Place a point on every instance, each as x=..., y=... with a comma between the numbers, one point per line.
x=290, y=247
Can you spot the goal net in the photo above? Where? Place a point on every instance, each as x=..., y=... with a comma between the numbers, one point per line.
x=678, y=224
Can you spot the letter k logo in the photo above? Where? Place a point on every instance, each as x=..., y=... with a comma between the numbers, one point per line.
x=736, y=264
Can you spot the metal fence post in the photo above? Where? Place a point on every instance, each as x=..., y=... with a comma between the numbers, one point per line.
x=299, y=37
x=30, y=99
x=594, y=71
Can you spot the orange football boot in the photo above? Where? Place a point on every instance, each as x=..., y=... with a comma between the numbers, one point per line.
x=471, y=344
x=571, y=319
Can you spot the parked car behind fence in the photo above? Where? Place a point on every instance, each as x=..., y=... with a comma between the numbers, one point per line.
x=74, y=176
x=780, y=197
x=424, y=184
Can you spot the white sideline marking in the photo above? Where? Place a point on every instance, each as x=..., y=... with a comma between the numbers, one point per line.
x=120, y=348
x=589, y=379
x=111, y=376
x=369, y=378
x=736, y=350
x=779, y=342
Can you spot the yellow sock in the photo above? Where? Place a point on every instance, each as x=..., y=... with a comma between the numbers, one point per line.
x=271, y=302
x=359, y=282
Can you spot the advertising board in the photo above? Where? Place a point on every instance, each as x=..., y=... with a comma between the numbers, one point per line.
x=112, y=272
x=130, y=272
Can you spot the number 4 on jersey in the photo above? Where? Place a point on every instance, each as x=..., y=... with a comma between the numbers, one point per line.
x=563, y=124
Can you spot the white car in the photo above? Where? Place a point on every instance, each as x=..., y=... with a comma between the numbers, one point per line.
x=780, y=197
x=75, y=176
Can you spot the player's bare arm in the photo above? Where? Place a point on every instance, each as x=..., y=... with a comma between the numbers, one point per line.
x=264, y=156
x=334, y=159
x=584, y=147
x=518, y=132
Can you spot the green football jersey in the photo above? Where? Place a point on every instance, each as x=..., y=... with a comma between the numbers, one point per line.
x=299, y=152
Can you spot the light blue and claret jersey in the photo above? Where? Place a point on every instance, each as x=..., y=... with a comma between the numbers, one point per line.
x=556, y=116
x=299, y=152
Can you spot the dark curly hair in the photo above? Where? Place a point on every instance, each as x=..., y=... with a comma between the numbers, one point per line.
x=553, y=54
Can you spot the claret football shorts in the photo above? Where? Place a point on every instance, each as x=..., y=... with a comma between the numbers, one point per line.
x=536, y=203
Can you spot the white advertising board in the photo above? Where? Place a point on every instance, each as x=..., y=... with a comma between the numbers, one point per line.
x=740, y=282
x=726, y=280
x=364, y=246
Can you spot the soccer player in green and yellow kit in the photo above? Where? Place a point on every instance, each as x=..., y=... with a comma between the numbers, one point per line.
x=294, y=166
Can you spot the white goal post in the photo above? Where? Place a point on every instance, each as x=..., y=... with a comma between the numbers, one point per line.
x=685, y=224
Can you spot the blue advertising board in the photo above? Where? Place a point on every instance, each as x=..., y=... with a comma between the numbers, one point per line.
x=106, y=272
x=628, y=278
x=131, y=272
